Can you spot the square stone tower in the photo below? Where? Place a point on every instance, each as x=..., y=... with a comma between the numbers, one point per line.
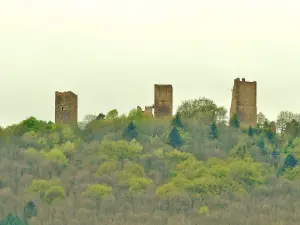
x=163, y=100
x=66, y=108
x=243, y=102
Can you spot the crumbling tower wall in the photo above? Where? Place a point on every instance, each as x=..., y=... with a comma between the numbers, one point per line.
x=66, y=107
x=243, y=102
x=163, y=100
x=148, y=111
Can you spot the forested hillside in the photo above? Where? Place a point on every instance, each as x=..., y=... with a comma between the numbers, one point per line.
x=132, y=170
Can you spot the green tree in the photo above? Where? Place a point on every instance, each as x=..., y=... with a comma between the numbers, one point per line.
x=202, y=106
x=234, y=121
x=214, y=130
x=100, y=116
x=292, y=128
x=130, y=132
x=177, y=122
x=53, y=193
x=112, y=114
x=30, y=210
x=135, y=114
x=290, y=161
x=12, y=220
x=250, y=131
x=120, y=150
x=261, y=145
x=261, y=120
x=98, y=192
x=175, y=139
x=284, y=118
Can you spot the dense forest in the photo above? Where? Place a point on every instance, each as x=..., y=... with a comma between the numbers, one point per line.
x=195, y=168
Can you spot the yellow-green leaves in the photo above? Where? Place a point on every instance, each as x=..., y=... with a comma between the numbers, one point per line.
x=98, y=191
x=292, y=173
x=39, y=186
x=68, y=148
x=107, y=168
x=57, y=156
x=49, y=190
x=53, y=193
x=247, y=171
x=120, y=149
x=139, y=183
x=168, y=190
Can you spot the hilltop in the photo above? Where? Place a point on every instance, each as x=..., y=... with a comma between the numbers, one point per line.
x=194, y=168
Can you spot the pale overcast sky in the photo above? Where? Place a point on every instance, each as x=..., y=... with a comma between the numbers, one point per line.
x=111, y=53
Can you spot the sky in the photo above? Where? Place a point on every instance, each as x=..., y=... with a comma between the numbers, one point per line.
x=111, y=53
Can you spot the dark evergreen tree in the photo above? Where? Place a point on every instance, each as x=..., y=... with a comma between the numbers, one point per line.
x=250, y=131
x=290, y=161
x=234, y=121
x=175, y=139
x=30, y=210
x=12, y=220
x=177, y=122
x=214, y=130
x=101, y=116
x=130, y=132
x=261, y=145
x=270, y=135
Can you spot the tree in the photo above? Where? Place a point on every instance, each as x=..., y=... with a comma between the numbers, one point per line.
x=175, y=139
x=130, y=132
x=202, y=106
x=213, y=130
x=250, y=131
x=53, y=193
x=89, y=118
x=290, y=161
x=261, y=145
x=135, y=114
x=100, y=116
x=98, y=192
x=234, y=121
x=12, y=220
x=112, y=114
x=292, y=128
x=284, y=118
x=30, y=210
x=120, y=150
x=176, y=122
x=261, y=119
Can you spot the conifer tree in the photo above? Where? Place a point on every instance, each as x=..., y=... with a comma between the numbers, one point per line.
x=175, y=139
x=250, y=131
x=177, y=122
x=290, y=161
x=234, y=121
x=213, y=130
x=130, y=132
x=12, y=220
x=30, y=210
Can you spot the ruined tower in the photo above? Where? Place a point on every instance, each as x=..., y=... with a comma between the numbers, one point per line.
x=65, y=107
x=243, y=102
x=163, y=100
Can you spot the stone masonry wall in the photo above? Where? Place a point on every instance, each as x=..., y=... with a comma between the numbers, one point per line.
x=163, y=100
x=243, y=102
x=66, y=107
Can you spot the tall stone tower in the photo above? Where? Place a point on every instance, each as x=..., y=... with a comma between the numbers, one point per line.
x=65, y=108
x=243, y=102
x=163, y=100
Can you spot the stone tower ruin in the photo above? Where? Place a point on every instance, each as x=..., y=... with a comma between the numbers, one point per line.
x=243, y=102
x=66, y=108
x=163, y=100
